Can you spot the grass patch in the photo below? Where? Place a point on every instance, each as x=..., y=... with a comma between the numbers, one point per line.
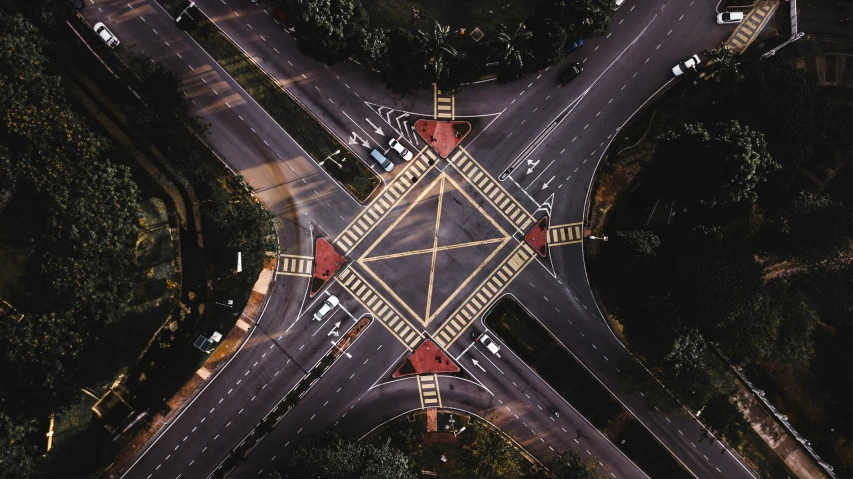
x=349, y=170
x=486, y=14
x=538, y=349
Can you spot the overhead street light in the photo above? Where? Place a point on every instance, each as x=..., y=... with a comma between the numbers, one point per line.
x=333, y=160
x=184, y=11
x=602, y=238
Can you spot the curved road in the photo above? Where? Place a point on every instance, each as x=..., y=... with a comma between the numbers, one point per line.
x=563, y=132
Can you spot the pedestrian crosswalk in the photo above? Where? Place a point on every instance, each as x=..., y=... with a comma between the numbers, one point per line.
x=383, y=204
x=565, y=234
x=751, y=26
x=444, y=107
x=428, y=391
x=491, y=190
x=482, y=297
x=380, y=308
x=293, y=265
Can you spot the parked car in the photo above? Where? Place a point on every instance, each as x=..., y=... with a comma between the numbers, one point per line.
x=571, y=73
x=726, y=18
x=399, y=148
x=486, y=341
x=328, y=305
x=682, y=67
x=384, y=162
x=106, y=35
x=575, y=45
x=618, y=4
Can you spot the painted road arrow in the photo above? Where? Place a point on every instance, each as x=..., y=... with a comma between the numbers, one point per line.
x=357, y=139
x=531, y=165
x=335, y=329
x=547, y=183
x=375, y=128
x=477, y=363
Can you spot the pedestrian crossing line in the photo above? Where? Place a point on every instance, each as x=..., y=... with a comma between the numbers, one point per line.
x=444, y=104
x=559, y=235
x=364, y=223
x=491, y=190
x=293, y=265
x=428, y=391
x=484, y=295
x=380, y=308
x=751, y=26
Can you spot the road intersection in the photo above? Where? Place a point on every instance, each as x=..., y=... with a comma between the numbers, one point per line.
x=433, y=250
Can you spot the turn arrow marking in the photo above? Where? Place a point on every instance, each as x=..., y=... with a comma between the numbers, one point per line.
x=477, y=363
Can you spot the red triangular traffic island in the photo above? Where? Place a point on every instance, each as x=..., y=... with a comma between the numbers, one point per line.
x=327, y=262
x=443, y=136
x=537, y=237
x=427, y=359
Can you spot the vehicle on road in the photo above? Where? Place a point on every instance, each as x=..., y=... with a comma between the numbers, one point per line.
x=555, y=412
x=328, y=305
x=682, y=67
x=78, y=4
x=486, y=341
x=106, y=35
x=399, y=148
x=575, y=45
x=384, y=162
x=571, y=73
x=726, y=18
x=619, y=3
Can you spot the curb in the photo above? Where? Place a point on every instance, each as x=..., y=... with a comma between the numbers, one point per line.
x=192, y=387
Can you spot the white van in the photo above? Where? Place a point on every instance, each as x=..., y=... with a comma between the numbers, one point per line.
x=384, y=162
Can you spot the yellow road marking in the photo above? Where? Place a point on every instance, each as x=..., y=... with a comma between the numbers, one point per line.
x=435, y=245
x=430, y=250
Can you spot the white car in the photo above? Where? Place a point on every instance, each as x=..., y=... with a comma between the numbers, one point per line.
x=726, y=18
x=399, y=148
x=682, y=67
x=618, y=4
x=486, y=341
x=328, y=305
x=106, y=35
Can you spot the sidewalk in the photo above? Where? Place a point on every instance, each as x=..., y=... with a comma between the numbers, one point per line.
x=218, y=359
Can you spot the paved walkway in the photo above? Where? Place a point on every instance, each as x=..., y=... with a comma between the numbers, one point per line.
x=828, y=70
x=752, y=24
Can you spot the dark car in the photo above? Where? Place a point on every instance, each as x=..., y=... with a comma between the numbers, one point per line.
x=573, y=71
x=78, y=4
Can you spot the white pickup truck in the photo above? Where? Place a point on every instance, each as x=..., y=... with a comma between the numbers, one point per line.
x=486, y=341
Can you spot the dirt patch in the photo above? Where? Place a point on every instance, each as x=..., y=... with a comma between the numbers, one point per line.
x=443, y=136
x=427, y=359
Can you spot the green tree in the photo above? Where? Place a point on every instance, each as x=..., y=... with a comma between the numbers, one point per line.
x=495, y=455
x=326, y=30
x=372, y=49
x=570, y=465
x=402, y=73
x=724, y=419
x=512, y=48
x=438, y=56
x=815, y=229
x=18, y=457
x=580, y=18
x=710, y=166
x=549, y=40
x=330, y=456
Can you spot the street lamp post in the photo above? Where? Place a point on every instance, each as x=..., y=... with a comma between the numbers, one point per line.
x=793, y=38
x=184, y=11
x=333, y=160
x=602, y=238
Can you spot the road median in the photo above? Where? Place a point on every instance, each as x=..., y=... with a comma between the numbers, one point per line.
x=344, y=167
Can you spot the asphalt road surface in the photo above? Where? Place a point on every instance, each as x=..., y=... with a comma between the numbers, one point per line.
x=430, y=260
